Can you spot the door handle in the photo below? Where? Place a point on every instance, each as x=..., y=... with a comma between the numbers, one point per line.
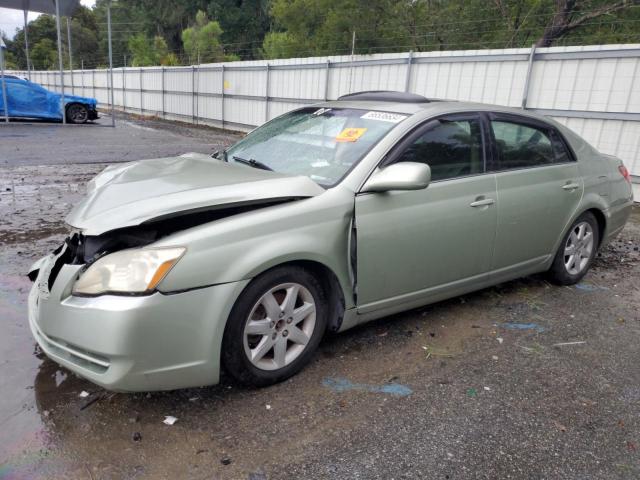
x=570, y=186
x=483, y=202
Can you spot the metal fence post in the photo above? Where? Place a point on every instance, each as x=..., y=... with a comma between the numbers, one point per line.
x=326, y=80
x=124, y=91
x=407, y=80
x=222, y=97
x=93, y=82
x=141, y=103
x=525, y=94
x=193, y=94
x=162, y=86
x=266, y=97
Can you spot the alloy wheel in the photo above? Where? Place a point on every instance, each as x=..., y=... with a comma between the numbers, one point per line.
x=578, y=248
x=78, y=114
x=279, y=326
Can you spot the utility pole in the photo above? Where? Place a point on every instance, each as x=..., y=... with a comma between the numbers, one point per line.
x=5, y=106
x=113, y=119
x=26, y=42
x=353, y=51
x=70, y=57
x=60, y=66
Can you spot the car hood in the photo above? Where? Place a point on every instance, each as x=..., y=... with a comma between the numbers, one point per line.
x=77, y=99
x=129, y=194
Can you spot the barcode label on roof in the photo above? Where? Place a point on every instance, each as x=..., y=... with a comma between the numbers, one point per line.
x=384, y=116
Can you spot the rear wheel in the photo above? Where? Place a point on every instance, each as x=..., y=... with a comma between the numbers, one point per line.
x=77, y=113
x=577, y=251
x=274, y=327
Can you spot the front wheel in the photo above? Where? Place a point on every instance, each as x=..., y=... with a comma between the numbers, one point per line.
x=576, y=252
x=274, y=327
x=77, y=113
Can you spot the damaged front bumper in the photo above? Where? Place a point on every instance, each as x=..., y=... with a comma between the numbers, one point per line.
x=130, y=343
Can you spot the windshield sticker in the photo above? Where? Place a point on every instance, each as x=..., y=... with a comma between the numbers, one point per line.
x=321, y=111
x=320, y=164
x=350, y=134
x=384, y=117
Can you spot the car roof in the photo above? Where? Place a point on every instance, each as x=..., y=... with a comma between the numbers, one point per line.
x=387, y=103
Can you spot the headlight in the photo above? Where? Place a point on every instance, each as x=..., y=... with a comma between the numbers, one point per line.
x=128, y=271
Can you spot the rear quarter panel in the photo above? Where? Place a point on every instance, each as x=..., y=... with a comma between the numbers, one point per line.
x=604, y=187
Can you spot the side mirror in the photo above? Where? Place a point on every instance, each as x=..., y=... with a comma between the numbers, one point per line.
x=399, y=176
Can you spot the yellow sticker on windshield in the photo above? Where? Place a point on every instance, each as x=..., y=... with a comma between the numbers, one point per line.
x=350, y=134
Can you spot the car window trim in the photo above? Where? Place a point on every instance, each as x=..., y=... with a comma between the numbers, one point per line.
x=549, y=129
x=401, y=145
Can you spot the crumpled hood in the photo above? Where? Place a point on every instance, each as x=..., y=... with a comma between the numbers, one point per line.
x=129, y=194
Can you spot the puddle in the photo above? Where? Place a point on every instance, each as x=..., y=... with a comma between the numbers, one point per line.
x=33, y=203
x=340, y=385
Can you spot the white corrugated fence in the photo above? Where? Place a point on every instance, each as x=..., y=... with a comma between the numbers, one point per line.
x=595, y=90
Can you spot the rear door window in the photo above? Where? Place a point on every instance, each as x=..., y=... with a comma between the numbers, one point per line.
x=523, y=145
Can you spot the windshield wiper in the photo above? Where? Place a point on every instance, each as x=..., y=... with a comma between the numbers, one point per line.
x=252, y=163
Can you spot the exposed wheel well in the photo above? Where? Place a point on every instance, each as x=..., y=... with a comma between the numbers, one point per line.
x=602, y=223
x=331, y=287
x=66, y=107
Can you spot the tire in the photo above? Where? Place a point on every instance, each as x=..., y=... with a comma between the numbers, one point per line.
x=77, y=113
x=258, y=330
x=569, y=269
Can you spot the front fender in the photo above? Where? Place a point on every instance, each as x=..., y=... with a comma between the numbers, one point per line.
x=243, y=246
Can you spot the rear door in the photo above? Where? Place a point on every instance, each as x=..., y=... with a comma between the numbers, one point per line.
x=413, y=243
x=539, y=188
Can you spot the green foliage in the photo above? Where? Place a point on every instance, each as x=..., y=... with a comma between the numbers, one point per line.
x=202, y=40
x=44, y=54
x=244, y=25
x=84, y=41
x=280, y=45
x=147, y=52
x=321, y=27
x=170, y=32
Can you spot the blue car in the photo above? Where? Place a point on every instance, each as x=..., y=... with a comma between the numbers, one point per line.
x=30, y=100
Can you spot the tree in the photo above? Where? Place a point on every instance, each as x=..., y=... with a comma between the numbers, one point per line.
x=202, y=40
x=567, y=16
x=84, y=41
x=244, y=25
x=167, y=18
x=280, y=45
x=44, y=55
x=147, y=52
x=10, y=62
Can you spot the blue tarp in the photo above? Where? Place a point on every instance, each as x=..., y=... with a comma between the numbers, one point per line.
x=29, y=100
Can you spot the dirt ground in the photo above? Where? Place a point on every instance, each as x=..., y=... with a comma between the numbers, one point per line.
x=523, y=380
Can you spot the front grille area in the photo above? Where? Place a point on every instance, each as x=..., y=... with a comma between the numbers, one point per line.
x=73, y=254
x=87, y=360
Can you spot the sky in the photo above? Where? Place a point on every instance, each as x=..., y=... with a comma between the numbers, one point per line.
x=12, y=19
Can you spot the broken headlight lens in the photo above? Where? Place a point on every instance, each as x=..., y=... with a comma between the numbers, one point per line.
x=137, y=270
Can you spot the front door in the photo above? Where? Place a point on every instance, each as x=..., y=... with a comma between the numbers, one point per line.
x=413, y=243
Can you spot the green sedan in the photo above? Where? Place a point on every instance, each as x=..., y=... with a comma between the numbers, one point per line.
x=323, y=218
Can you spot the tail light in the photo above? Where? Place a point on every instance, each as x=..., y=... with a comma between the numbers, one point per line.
x=625, y=173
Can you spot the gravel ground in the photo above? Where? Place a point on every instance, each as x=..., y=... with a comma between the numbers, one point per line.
x=97, y=142
x=523, y=380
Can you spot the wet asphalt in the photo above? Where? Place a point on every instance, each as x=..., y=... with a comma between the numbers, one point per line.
x=525, y=380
